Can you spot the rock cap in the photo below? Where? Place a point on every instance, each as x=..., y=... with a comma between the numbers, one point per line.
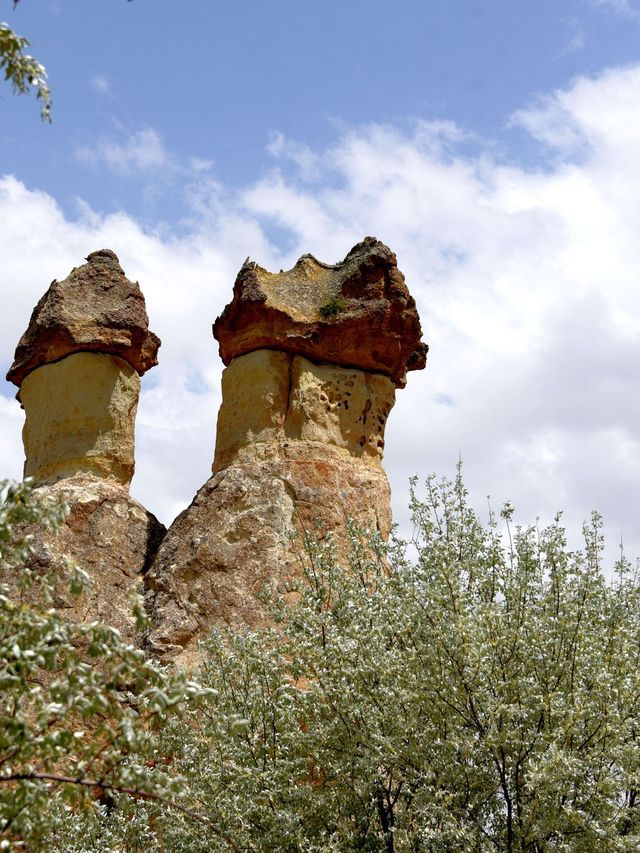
x=95, y=309
x=357, y=313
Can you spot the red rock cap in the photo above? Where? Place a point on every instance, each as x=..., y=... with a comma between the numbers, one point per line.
x=357, y=313
x=95, y=309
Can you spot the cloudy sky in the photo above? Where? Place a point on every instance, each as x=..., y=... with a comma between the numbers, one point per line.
x=493, y=144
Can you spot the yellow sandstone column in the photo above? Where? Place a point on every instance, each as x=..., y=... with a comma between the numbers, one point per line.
x=78, y=368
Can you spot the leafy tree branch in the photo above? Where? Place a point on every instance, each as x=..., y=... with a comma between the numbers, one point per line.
x=21, y=70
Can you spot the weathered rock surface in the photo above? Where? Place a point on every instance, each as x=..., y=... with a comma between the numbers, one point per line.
x=234, y=542
x=109, y=535
x=78, y=367
x=314, y=357
x=299, y=448
x=357, y=313
x=272, y=399
x=96, y=308
x=80, y=416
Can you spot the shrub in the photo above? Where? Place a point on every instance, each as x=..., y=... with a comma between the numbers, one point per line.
x=480, y=696
x=483, y=696
x=79, y=707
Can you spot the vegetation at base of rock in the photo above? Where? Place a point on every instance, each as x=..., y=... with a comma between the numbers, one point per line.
x=79, y=708
x=480, y=696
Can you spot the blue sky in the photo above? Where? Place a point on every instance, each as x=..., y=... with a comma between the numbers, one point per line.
x=216, y=80
x=495, y=146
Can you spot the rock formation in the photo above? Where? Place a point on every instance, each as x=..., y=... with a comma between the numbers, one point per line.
x=357, y=313
x=78, y=369
x=95, y=309
x=314, y=356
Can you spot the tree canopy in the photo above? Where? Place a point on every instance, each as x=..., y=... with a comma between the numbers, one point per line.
x=479, y=695
x=79, y=707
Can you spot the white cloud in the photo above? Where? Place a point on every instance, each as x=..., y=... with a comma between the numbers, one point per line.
x=139, y=151
x=101, y=84
x=577, y=41
x=10, y=439
x=526, y=281
x=305, y=158
x=198, y=165
x=594, y=118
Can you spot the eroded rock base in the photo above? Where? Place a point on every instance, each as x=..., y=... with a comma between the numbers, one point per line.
x=243, y=536
x=110, y=536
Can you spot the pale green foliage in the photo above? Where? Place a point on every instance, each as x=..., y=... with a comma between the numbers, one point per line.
x=79, y=707
x=119, y=826
x=21, y=70
x=481, y=697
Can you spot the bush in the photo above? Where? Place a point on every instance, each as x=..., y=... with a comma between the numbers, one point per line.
x=481, y=696
x=79, y=707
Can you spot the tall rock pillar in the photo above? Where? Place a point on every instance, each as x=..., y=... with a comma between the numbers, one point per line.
x=78, y=368
x=314, y=356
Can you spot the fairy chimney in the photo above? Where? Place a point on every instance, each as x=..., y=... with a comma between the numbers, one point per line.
x=313, y=359
x=78, y=369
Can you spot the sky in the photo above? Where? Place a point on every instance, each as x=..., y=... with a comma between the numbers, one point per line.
x=494, y=145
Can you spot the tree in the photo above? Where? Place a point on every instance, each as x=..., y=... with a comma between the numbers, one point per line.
x=482, y=696
x=79, y=707
x=23, y=72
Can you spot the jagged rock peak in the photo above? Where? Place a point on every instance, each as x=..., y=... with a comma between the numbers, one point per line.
x=95, y=309
x=356, y=313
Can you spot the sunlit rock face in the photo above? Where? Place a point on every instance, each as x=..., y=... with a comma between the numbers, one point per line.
x=78, y=369
x=80, y=417
x=314, y=358
x=272, y=398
